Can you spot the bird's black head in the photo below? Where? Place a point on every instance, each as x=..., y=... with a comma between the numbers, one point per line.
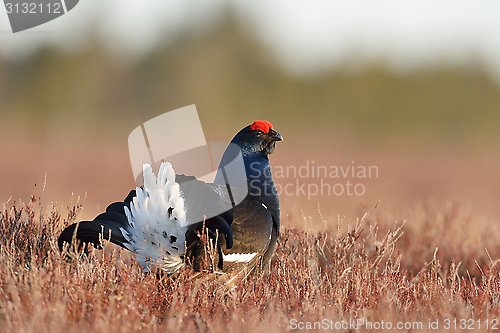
x=260, y=137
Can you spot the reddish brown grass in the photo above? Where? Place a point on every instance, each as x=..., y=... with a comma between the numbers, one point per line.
x=330, y=277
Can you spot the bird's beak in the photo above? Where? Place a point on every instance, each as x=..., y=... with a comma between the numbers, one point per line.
x=277, y=137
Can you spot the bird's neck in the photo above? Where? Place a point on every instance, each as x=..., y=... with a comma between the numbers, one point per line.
x=259, y=179
x=257, y=167
x=259, y=176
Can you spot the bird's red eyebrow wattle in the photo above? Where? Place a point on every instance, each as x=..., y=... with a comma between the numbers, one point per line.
x=261, y=125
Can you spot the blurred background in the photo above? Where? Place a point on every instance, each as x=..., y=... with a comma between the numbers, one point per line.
x=410, y=87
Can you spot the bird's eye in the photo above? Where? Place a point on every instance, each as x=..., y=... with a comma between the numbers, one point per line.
x=258, y=132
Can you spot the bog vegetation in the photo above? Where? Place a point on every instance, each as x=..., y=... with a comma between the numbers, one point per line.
x=440, y=265
x=376, y=276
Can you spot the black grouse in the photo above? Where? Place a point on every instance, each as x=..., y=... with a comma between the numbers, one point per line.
x=162, y=220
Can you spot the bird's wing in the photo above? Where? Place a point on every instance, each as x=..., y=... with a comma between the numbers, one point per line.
x=205, y=204
x=252, y=225
x=207, y=209
x=252, y=232
x=272, y=203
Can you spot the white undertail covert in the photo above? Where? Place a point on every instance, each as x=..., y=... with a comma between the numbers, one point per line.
x=157, y=221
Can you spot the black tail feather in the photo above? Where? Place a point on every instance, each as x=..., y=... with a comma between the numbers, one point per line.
x=92, y=232
x=105, y=226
